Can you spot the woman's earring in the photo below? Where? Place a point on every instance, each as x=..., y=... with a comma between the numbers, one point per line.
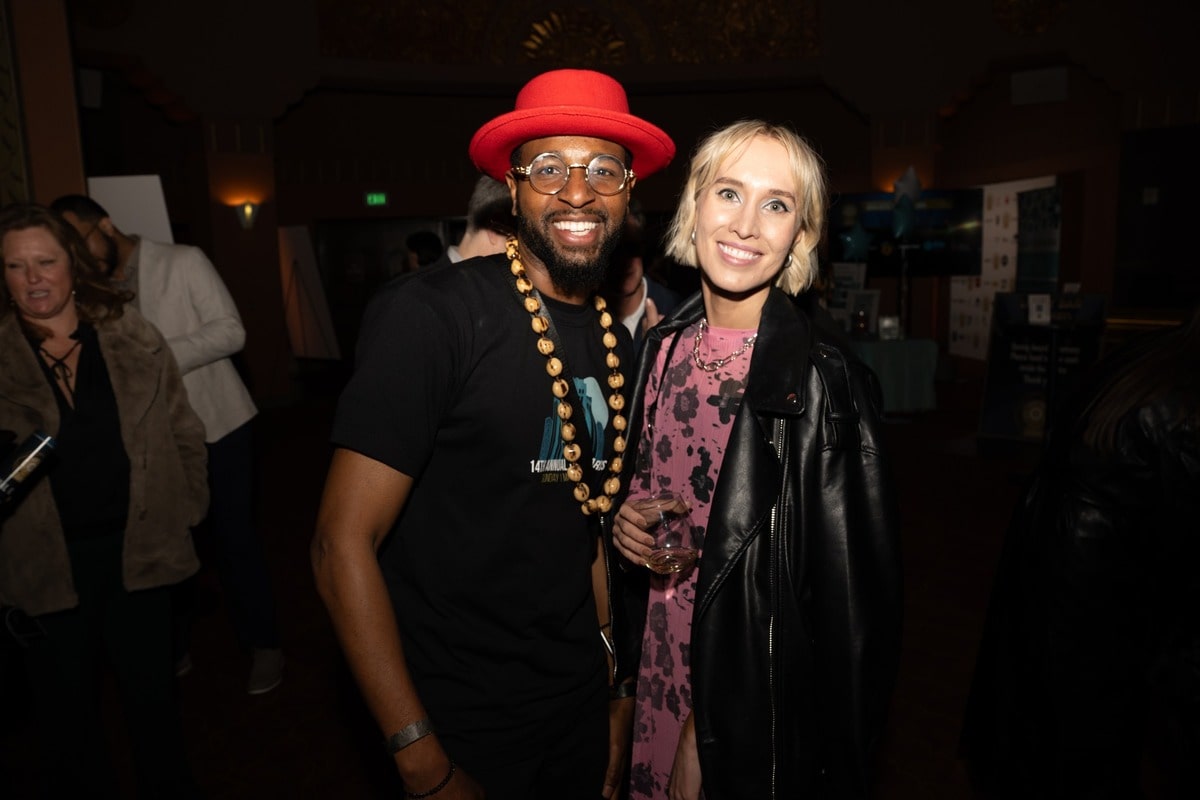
x=693, y=235
x=787, y=262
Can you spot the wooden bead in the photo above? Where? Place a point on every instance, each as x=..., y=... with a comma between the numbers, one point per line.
x=572, y=451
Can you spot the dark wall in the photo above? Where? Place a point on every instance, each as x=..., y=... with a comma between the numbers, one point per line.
x=1157, y=214
x=334, y=146
x=123, y=134
x=998, y=135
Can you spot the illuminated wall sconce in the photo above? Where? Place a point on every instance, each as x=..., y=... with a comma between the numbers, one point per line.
x=246, y=213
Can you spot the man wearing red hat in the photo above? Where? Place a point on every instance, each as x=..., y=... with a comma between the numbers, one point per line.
x=479, y=445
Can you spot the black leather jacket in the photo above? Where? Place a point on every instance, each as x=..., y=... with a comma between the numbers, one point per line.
x=796, y=628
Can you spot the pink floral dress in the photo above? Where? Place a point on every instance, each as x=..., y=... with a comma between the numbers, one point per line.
x=688, y=416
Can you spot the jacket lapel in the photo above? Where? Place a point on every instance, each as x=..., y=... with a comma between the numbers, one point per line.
x=27, y=384
x=779, y=368
x=129, y=357
x=750, y=478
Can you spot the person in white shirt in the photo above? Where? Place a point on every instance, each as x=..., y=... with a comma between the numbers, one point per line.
x=179, y=291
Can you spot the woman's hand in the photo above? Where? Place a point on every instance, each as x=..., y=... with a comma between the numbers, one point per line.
x=685, y=774
x=630, y=536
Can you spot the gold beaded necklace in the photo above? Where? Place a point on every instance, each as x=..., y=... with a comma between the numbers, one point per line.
x=559, y=386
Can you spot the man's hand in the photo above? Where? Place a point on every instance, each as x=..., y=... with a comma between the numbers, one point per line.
x=620, y=726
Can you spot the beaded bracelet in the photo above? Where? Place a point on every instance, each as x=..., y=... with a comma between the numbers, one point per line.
x=436, y=789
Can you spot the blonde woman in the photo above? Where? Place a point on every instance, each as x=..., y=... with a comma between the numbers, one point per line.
x=763, y=671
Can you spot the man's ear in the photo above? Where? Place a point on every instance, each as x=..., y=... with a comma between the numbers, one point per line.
x=512, y=191
x=106, y=226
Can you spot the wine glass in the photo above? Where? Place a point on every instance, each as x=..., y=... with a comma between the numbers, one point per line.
x=669, y=520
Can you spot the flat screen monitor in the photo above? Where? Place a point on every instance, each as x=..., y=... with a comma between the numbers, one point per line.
x=942, y=234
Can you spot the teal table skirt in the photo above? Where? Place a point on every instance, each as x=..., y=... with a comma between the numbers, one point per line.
x=905, y=369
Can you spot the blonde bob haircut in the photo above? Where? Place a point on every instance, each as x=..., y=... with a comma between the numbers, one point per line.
x=808, y=172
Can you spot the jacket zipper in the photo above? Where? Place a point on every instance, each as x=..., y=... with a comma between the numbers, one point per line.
x=780, y=430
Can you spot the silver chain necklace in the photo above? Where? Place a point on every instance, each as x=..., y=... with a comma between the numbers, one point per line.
x=711, y=366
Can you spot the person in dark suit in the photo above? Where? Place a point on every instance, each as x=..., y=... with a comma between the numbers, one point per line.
x=1088, y=674
x=636, y=299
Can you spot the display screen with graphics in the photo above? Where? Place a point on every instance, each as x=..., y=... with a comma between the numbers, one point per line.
x=940, y=234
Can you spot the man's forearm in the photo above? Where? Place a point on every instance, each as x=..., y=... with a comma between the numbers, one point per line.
x=352, y=587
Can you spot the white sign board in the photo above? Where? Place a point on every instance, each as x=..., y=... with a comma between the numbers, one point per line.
x=971, y=296
x=135, y=204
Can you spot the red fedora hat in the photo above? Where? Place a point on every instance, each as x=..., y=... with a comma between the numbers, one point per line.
x=570, y=102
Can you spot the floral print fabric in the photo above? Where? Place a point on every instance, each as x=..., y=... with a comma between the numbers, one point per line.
x=682, y=444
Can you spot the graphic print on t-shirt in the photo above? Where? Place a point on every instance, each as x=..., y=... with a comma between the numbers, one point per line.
x=550, y=462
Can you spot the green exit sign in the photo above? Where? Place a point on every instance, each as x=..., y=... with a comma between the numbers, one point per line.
x=376, y=198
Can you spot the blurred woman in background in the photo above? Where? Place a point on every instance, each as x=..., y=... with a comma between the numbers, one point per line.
x=89, y=551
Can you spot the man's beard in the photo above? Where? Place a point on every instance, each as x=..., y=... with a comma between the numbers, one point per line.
x=573, y=272
x=108, y=262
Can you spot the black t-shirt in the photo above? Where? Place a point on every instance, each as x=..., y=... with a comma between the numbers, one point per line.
x=488, y=564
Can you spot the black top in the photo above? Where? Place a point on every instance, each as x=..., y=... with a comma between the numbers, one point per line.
x=488, y=565
x=89, y=473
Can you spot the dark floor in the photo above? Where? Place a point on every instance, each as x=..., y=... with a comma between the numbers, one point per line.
x=307, y=739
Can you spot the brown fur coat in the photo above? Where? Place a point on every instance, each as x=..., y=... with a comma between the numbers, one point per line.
x=163, y=438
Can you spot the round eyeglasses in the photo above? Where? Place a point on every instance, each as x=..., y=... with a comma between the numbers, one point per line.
x=548, y=173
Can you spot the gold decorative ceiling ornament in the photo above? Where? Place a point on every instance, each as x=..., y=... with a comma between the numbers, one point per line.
x=1027, y=17
x=579, y=35
x=739, y=32
x=587, y=33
